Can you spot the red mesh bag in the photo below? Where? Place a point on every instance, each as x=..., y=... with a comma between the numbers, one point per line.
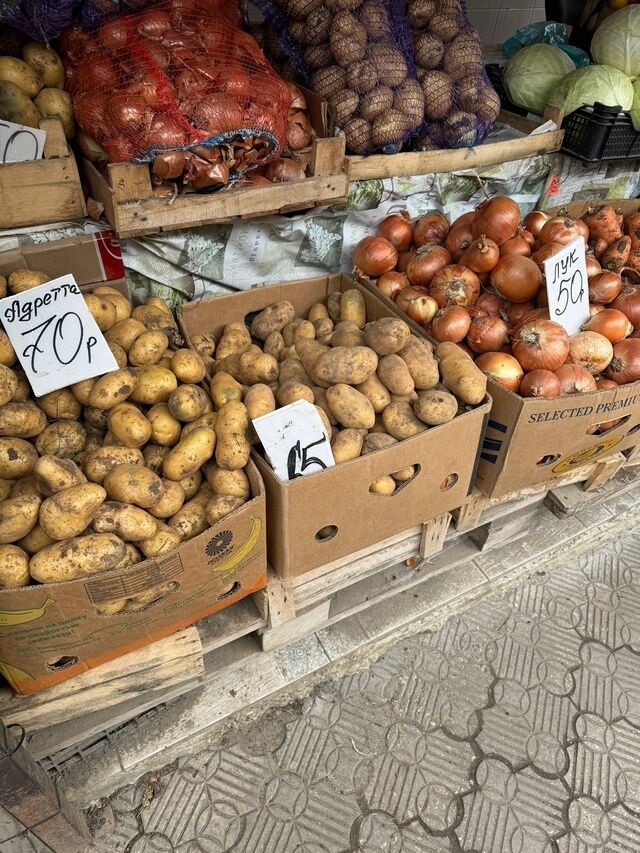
x=181, y=76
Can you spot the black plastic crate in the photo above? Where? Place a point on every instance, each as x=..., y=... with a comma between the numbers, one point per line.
x=600, y=133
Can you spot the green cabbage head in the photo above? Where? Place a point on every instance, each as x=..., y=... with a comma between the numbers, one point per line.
x=593, y=83
x=616, y=42
x=531, y=74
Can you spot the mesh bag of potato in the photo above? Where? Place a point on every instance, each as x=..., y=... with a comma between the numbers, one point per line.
x=176, y=79
x=358, y=56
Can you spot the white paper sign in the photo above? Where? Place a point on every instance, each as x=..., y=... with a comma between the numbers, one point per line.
x=55, y=337
x=567, y=286
x=295, y=441
x=19, y=143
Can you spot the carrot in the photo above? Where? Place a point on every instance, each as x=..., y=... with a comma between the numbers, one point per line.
x=633, y=261
x=598, y=246
x=616, y=255
x=632, y=228
x=603, y=223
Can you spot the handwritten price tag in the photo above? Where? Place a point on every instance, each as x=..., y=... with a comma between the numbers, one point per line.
x=295, y=441
x=55, y=337
x=19, y=143
x=567, y=286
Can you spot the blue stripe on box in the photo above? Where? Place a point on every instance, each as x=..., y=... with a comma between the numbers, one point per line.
x=496, y=425
x=490, y=444
x=489, y=457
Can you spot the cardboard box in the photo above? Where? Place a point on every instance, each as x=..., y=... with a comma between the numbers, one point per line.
x=339, y=497
x=51, y=632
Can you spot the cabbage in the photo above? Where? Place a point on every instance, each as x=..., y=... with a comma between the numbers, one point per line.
x=634, y=112
x=616, y=42
x=531, y=74
x=593, y=83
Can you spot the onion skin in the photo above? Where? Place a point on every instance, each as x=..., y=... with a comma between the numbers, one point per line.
x=502, y=368
x=629, y=303
x=605, y=384
x=596, y=308
x=458, y=240
x=604, y=287
x=516, y=246
x=534, y=221
x=451, y=324
x=497, y=218
x=540, y=343
x=397, y=229
x=417, y=304
x=516, y=312
x=540, y=383
x=491, y=303
x=545, y=252
x=625, y=364
x=561, y=229
x=430, y=228
x=403, y=261
x=426, y=262
x=592, y=264
x=455, y=285
x=481, y=255
x=517, y=278
x=487, y=334
x=375, y=256
x=575, y=380
x=391, y=283
x=611, y=323
x=591, y=350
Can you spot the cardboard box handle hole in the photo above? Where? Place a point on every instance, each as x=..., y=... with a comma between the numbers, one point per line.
x=398, y=479
x=62, y=663
x=449, y=482
x=326, y=533
x=233, y=589
x=634, y=429
x=603, y=427
x=549, y=459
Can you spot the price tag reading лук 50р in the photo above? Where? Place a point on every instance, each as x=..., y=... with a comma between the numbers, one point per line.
x=55, y=337
x=568, y=286
x=295, y=441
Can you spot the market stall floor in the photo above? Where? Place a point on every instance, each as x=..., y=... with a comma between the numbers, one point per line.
x=514, y=728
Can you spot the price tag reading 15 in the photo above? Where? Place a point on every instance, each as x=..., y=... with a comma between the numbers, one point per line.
x=55, y=336
x=567, y=286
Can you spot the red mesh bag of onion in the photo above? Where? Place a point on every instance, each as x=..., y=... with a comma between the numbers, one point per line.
x=180, y=86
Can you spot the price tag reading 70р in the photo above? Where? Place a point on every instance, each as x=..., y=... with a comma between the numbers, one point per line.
x=55, y=337
x=567, y=286
x=295, y=441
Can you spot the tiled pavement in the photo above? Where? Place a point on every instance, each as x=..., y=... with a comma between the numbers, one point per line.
x=515, y=728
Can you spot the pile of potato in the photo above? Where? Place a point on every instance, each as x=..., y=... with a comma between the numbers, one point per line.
x=32, y=88
x=373, y=384
x=106, y=472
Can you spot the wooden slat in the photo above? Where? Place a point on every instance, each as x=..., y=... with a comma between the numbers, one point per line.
x=130, y=182
x=327, y=156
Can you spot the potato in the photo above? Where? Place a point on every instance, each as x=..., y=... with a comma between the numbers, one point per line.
x=5, y=489
x=8, y=355
x=3, y=287
x=375, y=392
x=163, y=540
x=8, y=384
x=54, y=474
x=21, y=280
x=165, y=428
x=154, y=385
x=234, y=341
x=347, y=445
x=17, y=107
x=128, y=424
x=297, y=329
x=157, y=319
x=232, y=429
x=118, y=300
x=114, y=388
x=325, y=421
x=435, y=407
x=97, y=419
x=310, y=352
x=272, y=319
x=346, y=365
x=352, y=307
x=228, y=482
x=133, y=484
x=153, y=455
x=400, y=421
x=411, y=397
x=324, y=328
x=82, y=390
x=170, y=502
x=403, y=474
x=18, y=515
x=27, y=485
x=102, y=309
x=220, y=506
x=125, y=332
x=62, y=438
x=23, y=420
x=14, y=567
x=22, y=75
x=333, y=306
x=67, y=513
x=35, y=540
x=45, y=62
x=191, y=452
x=420, y=361
x=259, y=400
x=256, y=368
x=292, y=390
x=293, y=368
x=387, y=335
x=207, y=420
x=394, y=375
x=318, y=311
x=119, y=354
x=128, y=522
x=188, y=365
x=191, y=519
x=158, y=302
x=77, y=558
x=191, y=484
x=188, y=402
x=320, y=396
x=350, y=408
x=274, y=345
x=17, y=458
x=95, y=439
x=203, y=345
x=100, y=462
x=148, y=348
x=149, y=596
x=224, y=388
x=460, y=374
x=131, y=557
x=384, y=485
x=109, y=608
x=61, y=405
x=23, y=390
x=347, y=334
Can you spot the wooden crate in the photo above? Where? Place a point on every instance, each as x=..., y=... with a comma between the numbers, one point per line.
x=378, y=166
x=42, y=191
x=132, y=209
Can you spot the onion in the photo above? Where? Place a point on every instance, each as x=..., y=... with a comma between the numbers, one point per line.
x=491, y=303
x=590, y=350
x=487, y=334
x=431, y=228
x=416, y=302
x=540, y=383
x=96, y=74
x=391, y=283
x=284, y=170
x=625, y=364
x=611, y=323
x=458, y=240
x=451, y=324
x=560, y=229
x=516, y=246
x=215, y=114
x=574, y=379
x=583, y=228
x=604, y=287
x=497, y=218
x=476, y=311
x=515, y=312
x=542, y=299
x=527, y=235
x=397, y=229
x=481, y=255
x=605, y=384
x=516, y=278
x=596, y=309
x=534, y=221
x=169, y=165
x=540, y=343
x=152, y=24
x=90, y=111
x=629, y=303
x=165, y=132
x=114, y=35
x=592, y=264
x=256, y=180
x=126, y=112
x=464, y=219
x=403, y=261
x=298, y=131
x=426, y=262
x=502, y=368
x=298, y=100
x=455, y=285
x=374, y=256
x=545, y=252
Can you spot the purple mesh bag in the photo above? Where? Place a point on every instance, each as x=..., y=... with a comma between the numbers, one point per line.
x=357, y=54
x=41, y=20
